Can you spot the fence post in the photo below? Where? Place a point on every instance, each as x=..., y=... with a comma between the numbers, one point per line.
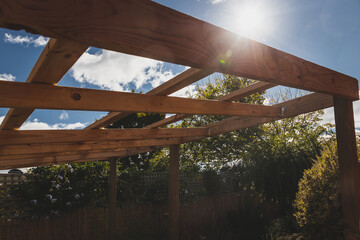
x=112, y=199
x=174, y=192
x=348, y=165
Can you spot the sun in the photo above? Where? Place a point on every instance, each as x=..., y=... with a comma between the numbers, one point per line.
x=251, y=20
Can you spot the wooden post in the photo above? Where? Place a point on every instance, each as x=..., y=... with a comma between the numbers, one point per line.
x=112, y=199
x=174, y=192
x=348, y=164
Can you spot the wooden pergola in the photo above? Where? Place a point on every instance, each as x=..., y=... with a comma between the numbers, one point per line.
x=148, y=29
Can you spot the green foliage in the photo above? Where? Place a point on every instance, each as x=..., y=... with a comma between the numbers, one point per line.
x=226, y=147
x=137, y=162
x=318, y=203
x=131, y=189
x=54, y=189
x=283, y=228
x=271, y=157
x=276, y=158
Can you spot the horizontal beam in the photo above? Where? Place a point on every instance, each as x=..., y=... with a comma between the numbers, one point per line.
x=101, y=153
x=312, y=102
x=292, y=108
x=235, y=95
x=15, y=94
x=161, y=33
x=11, y=137
x=178, y=82
x=7, y=150
x=301, y=105
x=55, y=60
x=56, y=158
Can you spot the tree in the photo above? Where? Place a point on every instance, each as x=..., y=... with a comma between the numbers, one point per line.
x=225, y=147
x=281, y=151
x=318, y=201
x=271, y=157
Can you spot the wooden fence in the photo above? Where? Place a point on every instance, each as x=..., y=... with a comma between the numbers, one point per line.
x=134, y=221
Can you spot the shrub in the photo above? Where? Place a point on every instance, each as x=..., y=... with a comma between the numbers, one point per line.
x=318, y=203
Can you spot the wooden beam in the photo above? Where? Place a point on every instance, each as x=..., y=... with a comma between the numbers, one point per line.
x=15, y=94
x=291, y=108
x=236, y=95
x=174, y=188
x=294, y=107
x=76, y=154
x=59, y=158
x=349, y=167
x=158, y=32
x=112, y=200
x=178, y=82
x=55, y=60
x=11, y=137
x=51, y=148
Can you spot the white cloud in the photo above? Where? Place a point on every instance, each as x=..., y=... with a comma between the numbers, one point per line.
x=7, y=77
x=25, y=40
x=217, y=1
x=116, y=71
x=37, y=125
x=328, y=116
x=185, y=92
x=64, y=115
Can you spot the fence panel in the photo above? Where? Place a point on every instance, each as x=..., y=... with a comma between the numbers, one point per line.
x=92, y=223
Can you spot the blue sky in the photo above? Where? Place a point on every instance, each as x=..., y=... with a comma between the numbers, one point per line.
x=324, y=32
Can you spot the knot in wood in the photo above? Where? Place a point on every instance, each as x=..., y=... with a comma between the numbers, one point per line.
x=76, y=96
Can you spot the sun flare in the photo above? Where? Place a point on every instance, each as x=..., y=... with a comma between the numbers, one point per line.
x=251, y=20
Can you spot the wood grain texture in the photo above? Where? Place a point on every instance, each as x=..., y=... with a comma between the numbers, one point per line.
x=349, y=166
x=98, y=153
x=243, y=92
x=55, y=60
x=112, y=199
x=36, y=148
x=15, y=94
x=174, y=192
x=158, y=32
x=56, y=158
x=178, y=82
x=10, y=137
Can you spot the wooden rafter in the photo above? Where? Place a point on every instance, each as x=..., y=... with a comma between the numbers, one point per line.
x=56, y=158
x=10, y=137
x=291, y=108
x=158, y=32
x=44, y=156
x=15, y=94
x=294, y=107
x=178, y=82
x=243, y=92
x=8, y=150
x=55, y=60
